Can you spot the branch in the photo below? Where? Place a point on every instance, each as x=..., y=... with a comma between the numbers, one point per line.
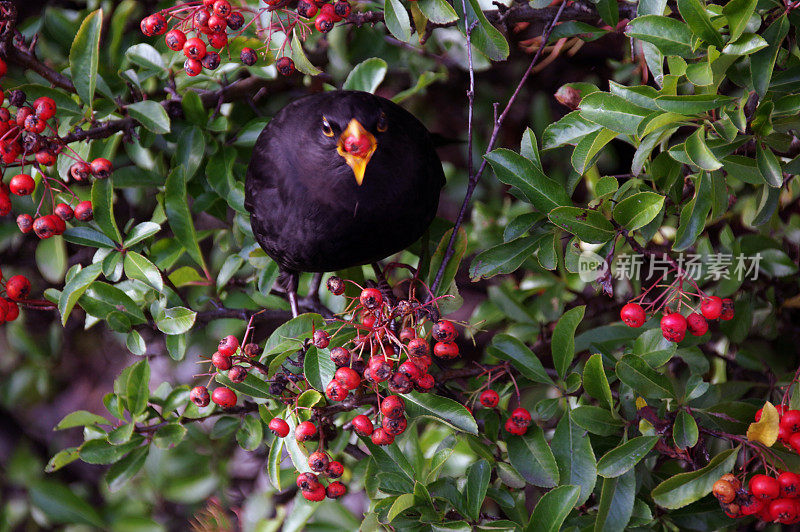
x=475, y=178
x=244, y=409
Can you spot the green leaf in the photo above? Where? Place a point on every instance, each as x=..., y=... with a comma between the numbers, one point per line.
x=569, y=130
x=367, y=75
x=520, y=172
x=698, y=152
x=318, y=368
x=685, y=488
x=189, y=155
x=502, y=259
x=532, y=458
x=691, y=104
x=508, y=347
x=176, y=320
x=250, y=433
x=616, y=503
x=124, y=470
x=61, y=505
x=441, y=409
x=685, y=431
x=437, y=11
x=587, y=224
x=62, y=458
x=762, y=63
x=563, y=341
x=180, y=218
x=748, y=43
x=145, y=56
x=644, y=380
x=738, y=13
x=588, y=149
x=653, y=348
x=475, y=490
x=449, y=274
x=301, y=62
x=638, y=210
x=252, y=386
x=694, y=214
x=769, y=166
x=670, y=36
x=400, y=505
x=396, y=19
x=597, y=420
x=612, y=111
x=694, y=13
x=138, y=267
x=622, y=459
x=75, y=288
x=595, y=382
x=103, y=208
x=485, y=37
x=141, y=232
x=99, y=451
x=51, y=259
x=80, y=418
x=169, y=435
x=84, y=56
x=574, y=456
x=274, y=459
x=553, y=508
x=151, y=115
x=86, y=236
x=137, y=389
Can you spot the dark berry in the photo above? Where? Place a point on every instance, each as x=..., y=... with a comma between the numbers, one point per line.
x=340, y=356
x=418, y=347
x=43, y=227
x=248, y=56
x=727, y=310
x=306, y=9
x=200, y=396
x=400, y=383
x=335, y=284
x=211, y=61
x=252, y=350
x=64, y=212
x=235, y=20
x=322, y=339
x=25, y=222
x=342, y=8
x=444, y=331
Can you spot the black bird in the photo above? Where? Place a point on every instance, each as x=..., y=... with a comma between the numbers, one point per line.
x=340, y=179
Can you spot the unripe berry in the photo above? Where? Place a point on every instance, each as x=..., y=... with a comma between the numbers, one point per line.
x=224, y=397
x=237, y=374
x=335, y=490
x=25, y=222
x=393, y=406
x=335, y=469
x=285, y=67
x=228, y=345
x=22, y=185
x=279, y=427
x=696, y=324
x=101, y=168
x=84, y=212
x=489, y=398
x=711, y=307
x=444, y=331
x=305, y=431
x=175, y=40
x=371, y=298
x=445, y=350
x=194, y=48
x=18, y=287
x=381, y=437
x=633, y=315
x=521, y=417
x=199, y=396
x=248, y=56
x=318, y=461
x=362, y=425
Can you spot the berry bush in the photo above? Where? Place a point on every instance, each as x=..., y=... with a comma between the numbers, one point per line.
x=600, y=330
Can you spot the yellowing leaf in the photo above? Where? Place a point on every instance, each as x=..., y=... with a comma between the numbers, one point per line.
x=765, y=430
x=640, y=402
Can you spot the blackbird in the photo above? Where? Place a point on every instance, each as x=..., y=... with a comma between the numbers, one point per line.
x=340, y=179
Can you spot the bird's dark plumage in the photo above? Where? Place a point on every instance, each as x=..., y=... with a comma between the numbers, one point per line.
x=307, y=210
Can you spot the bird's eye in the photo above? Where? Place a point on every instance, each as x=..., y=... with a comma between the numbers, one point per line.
x=382, y=124
x=327, y=130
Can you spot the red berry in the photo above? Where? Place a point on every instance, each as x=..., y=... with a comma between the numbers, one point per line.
x=727, y=310
x=222, y=8
x=423, y=363
x=43, y=227
x=407, y=334
x=217, y=40
x=348, y=378
x=5, y=204
x=194, y=48
x=445, y=350
x=394, y=426
x=44, y=107
x=790, y=484
x=368, y=320
x=425, y=383
x=764, y=487
x=224, y=397
x=3, y=68
x=12, y=310
x=80, y=171
x=318, y=461
x=342, y=8
x=156, y=24
x=45, y=158
x=18, y=287
x=25, y=222
x=248, y=56
x=307, y=481
x=175, y=40
x=306, y=9
x=673, y=327
x=22, y=185
x=791, y=420
x=285, y=67
x=362, y=425
x=235, y=20
x=340, y=356
x=328, y=11
x=521, y=417
x=324, y=24
x=513, y=428
x=418, y=347
x=64, y=211
x=371, y=298
x=305, y=431
x=489, y=398
x=221, y=362
x=410, y=370
x=335, y=490
x=315, y=495
x=749, y=504
x=400, y=383
x=784, y=434
x=200, y=19
x=199, y=396
x=83, y=211
x=380, y=369
x=217, y=24
x=22, y=115
x=696, y=324
x=59, y=224
x=393, y=406
x=211, y=61
x=101, y=168
x=279, y=427
x=381, y=437
x=335, y=469
x=322, y=339
x=228, y=345
x=335, y=391
x=711, y=307
x=237, y=374
x=633, y=315
x=444, y=331
x=192, y=67
x=145, y=27
x=783, y=511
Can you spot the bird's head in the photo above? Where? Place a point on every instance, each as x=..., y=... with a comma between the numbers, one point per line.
x=355, y=131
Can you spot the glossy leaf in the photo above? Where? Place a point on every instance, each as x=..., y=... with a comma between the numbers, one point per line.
x=553, y=508
x=612, y=111
x=103, y=208
x=685, y=488
x=367, y=75
x=440, y=409
x=180, y=218
x=695, y=15
x=668, y=35
x=396, y=19
x=638, y=210
x=513, y=169
x=616, y=503
x=769, y=166
x=525, y=361
x=595, y=381
x=151, y=115
x=532, y=458
x=84, y=56
x=622, y=459
x=75, y=288
x=563, y=340
x=694, y=214
x=684, y=430
x=646, y=381
x=587, y=224
x=475, y=489
x=574, y=455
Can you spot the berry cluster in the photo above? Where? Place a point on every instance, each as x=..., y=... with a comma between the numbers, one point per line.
x=17, y=288
x=194, y=21
x=771, y=499
x=674, y=325
x=237, y=362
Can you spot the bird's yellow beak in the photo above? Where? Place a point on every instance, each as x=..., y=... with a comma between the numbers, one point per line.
x=356, y=145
